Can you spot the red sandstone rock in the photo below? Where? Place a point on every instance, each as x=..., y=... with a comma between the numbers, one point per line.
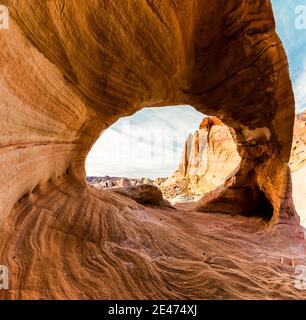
x=68, y=70
x=70, y=85
x=209, y=157
x=145, y=194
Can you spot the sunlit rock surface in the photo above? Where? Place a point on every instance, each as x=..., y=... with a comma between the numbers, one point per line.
x=209, y=157
x=298, y=166
x=298, y=152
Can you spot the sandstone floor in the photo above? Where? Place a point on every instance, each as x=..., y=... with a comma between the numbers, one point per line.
x=110, y=247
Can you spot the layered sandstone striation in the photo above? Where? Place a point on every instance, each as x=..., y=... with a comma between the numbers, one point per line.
x=68, y=70
x=209, y=157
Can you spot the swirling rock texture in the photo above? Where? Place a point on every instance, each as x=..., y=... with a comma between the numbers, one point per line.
x=68, y=70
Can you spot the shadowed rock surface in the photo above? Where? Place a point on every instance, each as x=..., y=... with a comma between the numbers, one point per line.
x=145, y=194
x=68, y=70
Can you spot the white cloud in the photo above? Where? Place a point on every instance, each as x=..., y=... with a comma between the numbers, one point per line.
x=147, y=144
x=299, y=88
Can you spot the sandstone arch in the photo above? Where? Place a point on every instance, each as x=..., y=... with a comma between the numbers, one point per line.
x=70, y=69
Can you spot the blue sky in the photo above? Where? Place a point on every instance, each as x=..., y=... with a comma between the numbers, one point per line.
x=150, y=143
x=294, y=41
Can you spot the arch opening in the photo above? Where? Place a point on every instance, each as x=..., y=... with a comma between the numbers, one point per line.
x=194, y=156
x=147, y=144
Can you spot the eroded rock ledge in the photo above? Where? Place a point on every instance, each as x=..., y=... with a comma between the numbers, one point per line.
x=68, y=70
